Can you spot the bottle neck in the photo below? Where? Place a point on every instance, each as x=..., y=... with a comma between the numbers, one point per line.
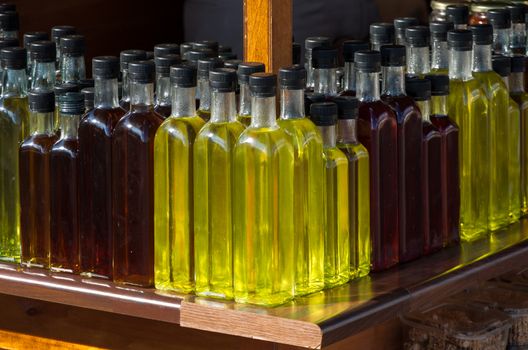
x=244, y=100
x=393, y=83
x=105, y=93
x=425, y=109
x=367, y=86
x=460, y=65
x=309, y=68
x=205, y=94
x=8, y=34
x=223, y=107
x=325, y=81
x=347, y=131
x=518, y=36
x=482, y=58
x=517, y=82
x=440, y=55
x=501, y=41
x=263, y=112
x=418, y=62
x=69, y=124
x=141, y=95
x=349, y=79
x=72, y=69
x=292, y=104
x=41, y=123
x=43, y=75
x=14, y=83
x=506, y=81
x=439, y=105
x=163, y=97
x=462, y=26
x=328, y=134
x=183, y=101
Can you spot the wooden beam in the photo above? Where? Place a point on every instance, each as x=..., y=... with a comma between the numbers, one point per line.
x=268, y=33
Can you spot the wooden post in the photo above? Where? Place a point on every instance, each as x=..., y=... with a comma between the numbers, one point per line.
x=268, y=33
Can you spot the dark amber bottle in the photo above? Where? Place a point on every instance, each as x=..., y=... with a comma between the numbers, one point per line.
x=350, y=47
x=34, y=164
x=126, y=57
x=133, y=181
x=163, y=85
x=409, y=151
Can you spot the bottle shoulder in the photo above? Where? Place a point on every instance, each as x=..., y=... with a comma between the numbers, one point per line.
x=40, y=143
x=98, y=118
x=220, y=131
x=139, y=119
x=375, y=111
x=354, y=150
x=263, y=138
x=301, y=131
x=335, y=156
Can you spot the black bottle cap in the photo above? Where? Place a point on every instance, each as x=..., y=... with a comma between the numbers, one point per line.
x=393, y=55
x=263, y=84
x=183, y=75
x=7, y=7
x=458, y=14
x=9, y=21
x=105, y=67
x=66, y=87
x=418, y=36
x=233, y=64
x=324, y=58
x=347, y=107
x=245, y=69
x=184, y=47
x=195, y=55
x=517, y=12
x=223, y=79
x=292, y=77
x=350, y=47
x=43, y=51
x=73, y=45
x=316, y=41
x=402, y=23
x=368, y=61
x=418, y=89
x=142, y=72
x=439, y=29
x=205, y=44
x=323, y=113
x=71, y=103
x=501, y=65
x=482, y=34
x=296, y=53
x=58, y=32
x=206, y=65
x=460, y=40
x=166, y=49
x=85, y=83
x=89, y=97
x=499, y=18
x=382, y=33
x=163, y=63
x=14, y=57
x=127, y=56
x=439, y=84
x=31, y=37
x=224, y=56
x=41, y=101
x=518, y=63
x=222, y=48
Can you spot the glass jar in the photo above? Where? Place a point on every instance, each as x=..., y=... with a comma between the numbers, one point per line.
x=439, y=8
x=479, y=11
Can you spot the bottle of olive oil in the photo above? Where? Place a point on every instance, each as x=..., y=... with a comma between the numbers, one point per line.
x=213, y=189
x=468, y=105
x=358, y=185
x=498, y=101
x=418, y=62
x=244, y=70
x=335, y=203
x=173, y=186
x=264, y=248
x=204, y=67
x=14, y=127
x=308, y=182
x=440, y=53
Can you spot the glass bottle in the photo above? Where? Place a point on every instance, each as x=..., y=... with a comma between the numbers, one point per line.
x=409, y=151
x=324, y=64
x=59, y=90
x=418, y=59
x=264, y=268
x=95, y=179
x=57, y=33
x=440, y=53
x=308, y=182
x=518, y=28
x=468, y=105
x=166, y=49
x=31, y=37
x=14, y=127
x=89, y=98
x=133, y=181
x=64, y=187
x=125, y=58
x=459, y=15
x=43, y=75
x=174, y=229
x=497, y=94
x=163, y=85
x=72, y=66
x=500, y=19
x=358, y=185
x=449, y=162
x=377, y=130
x=204, y=67
x=9, y=25
x=420, y=90
x=213, y=189
x=34, y=170
x=381, y=34
x=350, y=47
x=7, y=43
x=245, y=69
x=310, y=44
x=400, y=25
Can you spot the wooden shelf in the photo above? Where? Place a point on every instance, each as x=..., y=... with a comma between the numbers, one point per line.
x=312, y=322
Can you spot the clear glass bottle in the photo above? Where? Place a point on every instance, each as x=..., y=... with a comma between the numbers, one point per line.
x=72, y=66
x=34, y=170
x=440, y=52
x=381, y=34
x=213, y=189
x=57, y=33
x=264, y=268
x=204, y=67
x=133, y=181
x=400, y=25
x=14, y=127
x=310, y=44
x=29, y=38
x=518, y=28
x=43, y=75
x=377, y=130
x=500, y=19
x=308, y=182
x=350, y=47
x=409, y=151
x=358, y=185
x=468, y=105
x=324, y=64
x=174, y=229
x=459, y=15
x=244, y=70
x=125, y=58
x=166, y=49
x=163, y=84
x=418, y=58
x=9, y=25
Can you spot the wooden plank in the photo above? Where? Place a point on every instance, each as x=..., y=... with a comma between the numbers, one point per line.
x=268, y=32
x=11, y=340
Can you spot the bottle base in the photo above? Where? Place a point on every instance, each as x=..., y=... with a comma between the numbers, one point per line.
x=264, y=300
x=171, y=287
x=310, y=289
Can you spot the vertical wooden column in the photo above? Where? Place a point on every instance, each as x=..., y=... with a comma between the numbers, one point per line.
x=268, y=33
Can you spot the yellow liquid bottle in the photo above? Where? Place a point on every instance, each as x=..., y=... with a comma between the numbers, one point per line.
x=173, y=187
x=468, y=105
x=439, y=47
x=358, y=186
x=337, y=223
x=263, y=204
x=244, y=70
x=213, y=190
x=308, y=182
x=204, y=66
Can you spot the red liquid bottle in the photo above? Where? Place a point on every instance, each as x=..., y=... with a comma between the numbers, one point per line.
x=95, y=179
x=420, y=91
x=409, y=151
x=377, y=131
x=126, y=57
x=163, y=96
x=350, y=47
x=133, y=181
x=450, y=213
x=34, y=165
x=64, y=188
